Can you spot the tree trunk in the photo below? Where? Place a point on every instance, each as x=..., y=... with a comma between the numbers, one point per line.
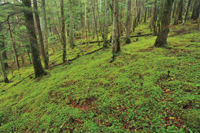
x=5, y=79
x=179, y=12
x=154, y=19
x=37, y=19
x=95, y=22
x=166, y=13
x=128, y=22
x=160, y=15
x=145, y=14
x=39, y=71
x=71, y=31
x=4, y=55
x=115, y=31
x=186, y=11
x=174, y=9
x=106, y=24
x=63, y=30
x=13, y=45
x=45, y=33
x=134, y=15
x=188, y=5
x=196, y=8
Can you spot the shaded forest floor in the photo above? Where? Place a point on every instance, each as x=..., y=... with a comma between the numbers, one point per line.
x=134, y=93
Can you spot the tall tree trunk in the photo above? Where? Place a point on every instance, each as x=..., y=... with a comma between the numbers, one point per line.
x=179, y=12
x=166, y=13
x=128, y=22
x=174, y=9
x=139, y=11
x=4, y=55
x=71, y=31
x=160, y=15
x=86, y=21
x=134, y=15
x=13, y=45
x=37, y=19
x=115, y=31
x=154, y=19
x=186, y=11
x=63, y=30
x=145, y=14
x=196, y=8
x=106, y=24
x=5, y=79
x=29, y=22
x=95, y=21
x=45, y=33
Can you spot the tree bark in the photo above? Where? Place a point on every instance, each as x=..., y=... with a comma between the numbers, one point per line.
x=154, y=19
x=128, y=22
x=160, y=14
x=145, y=15
x=4, y=55
x=166, y=13
x=95, y=21
x=13, y=45
x=115, y=49
x=134, y=15
x=179, y=12
x=5, y=79
x=71, y=31
x=174, y=9
x=63, y=30
x=37, y=19
x=39, y=71
x=186, y=11
x=195, y=12
x=45, y=33
x=106, y=24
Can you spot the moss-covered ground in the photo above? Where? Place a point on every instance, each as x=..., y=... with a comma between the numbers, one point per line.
x=146, y=89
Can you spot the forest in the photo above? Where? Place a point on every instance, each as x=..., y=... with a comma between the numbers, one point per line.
x=111, y=66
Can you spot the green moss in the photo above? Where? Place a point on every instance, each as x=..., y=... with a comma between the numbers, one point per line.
x=133, y=91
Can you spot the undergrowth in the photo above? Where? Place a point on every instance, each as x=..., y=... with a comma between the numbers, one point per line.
x=146, y=89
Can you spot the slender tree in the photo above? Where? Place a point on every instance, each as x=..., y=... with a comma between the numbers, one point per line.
x=63, y=30
x=13, y=45
x=186, y=11
x=95, y=21
x=45, y=34
x=37, y=19
x=179, y=12
x=106, y=24
x=5, y=79
x=128, y=21
x=115, y=49
x=71, y=31
x=29, y=22
x=166, y=13
x=195, y=11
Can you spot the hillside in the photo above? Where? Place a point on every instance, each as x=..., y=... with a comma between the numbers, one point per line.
x=146, y=89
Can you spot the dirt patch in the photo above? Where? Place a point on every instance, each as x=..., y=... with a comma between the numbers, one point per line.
x=88, y=48
x=146, y=50
x=87, y=103
x=70, y=82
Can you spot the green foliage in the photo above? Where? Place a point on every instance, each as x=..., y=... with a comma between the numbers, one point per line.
x=132, y=94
